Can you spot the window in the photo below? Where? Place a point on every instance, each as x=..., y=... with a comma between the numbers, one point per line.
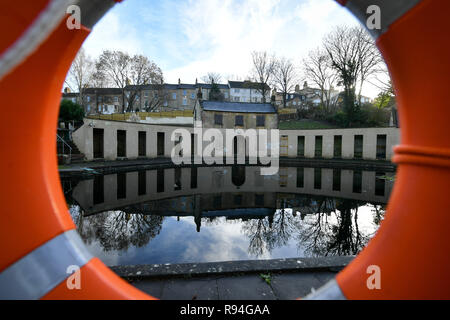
x=239, y=121
x=184, y=92
x=236, y=90
x=88, y=98
x=226, y=95
x=192, y=95
x=237, y=99
x=88, y=108
x=294, y=103
x=260, y=121
x=174, y=96
x=99, y=99
x=218, y=119
x=185, y=102
x=116, y=99
x=146, y=94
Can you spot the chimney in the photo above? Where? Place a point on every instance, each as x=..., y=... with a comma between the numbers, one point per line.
x=196, y=81
x=199, y=94
x=66, y=90
x=179, y=81
x=297, y=88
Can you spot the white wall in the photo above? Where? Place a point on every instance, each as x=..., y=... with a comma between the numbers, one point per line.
x=83, y=138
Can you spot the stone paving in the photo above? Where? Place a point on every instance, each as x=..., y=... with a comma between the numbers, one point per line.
x=284, y=279
x=284, y=286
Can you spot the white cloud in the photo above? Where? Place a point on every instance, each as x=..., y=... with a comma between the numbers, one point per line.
x=228, y=31
x=115, y=34
x=191, y=38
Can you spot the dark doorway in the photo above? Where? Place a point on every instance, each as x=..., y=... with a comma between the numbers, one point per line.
x=317, y=178
x=318, y=147
x=99, y=189
x=98, y=143
x=336, y=179
x=337, y=147
x=160, y=144
x=300, y=177
x=194, y=178
x=142, y=143
x=357, y=181
x=121, y=185
x=301, y=146
x=238, y=175
x=381, y=146
x=193, y=137
x=177, y=186
x=121, y=143
x=142, y=183
x=160, y=180
x=380, y=184
x=358, y=147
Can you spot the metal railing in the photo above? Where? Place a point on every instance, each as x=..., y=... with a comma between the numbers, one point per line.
x=64, y=145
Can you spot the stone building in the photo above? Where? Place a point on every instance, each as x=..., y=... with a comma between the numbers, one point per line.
x=247, y=91
x=231, y=115
x=102, y=100
x=170, y=97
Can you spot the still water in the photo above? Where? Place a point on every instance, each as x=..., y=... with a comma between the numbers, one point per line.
x=208, y=214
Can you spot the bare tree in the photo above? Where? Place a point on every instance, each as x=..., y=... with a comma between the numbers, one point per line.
x=263, y=71
x=318, y=69
x=369, y=57
x=143, y=72
x=115, y=65
x=159, y=96
x=81, y=73
x=284, y=77
x=212, y=77
x=124, y=70
x=355, y=58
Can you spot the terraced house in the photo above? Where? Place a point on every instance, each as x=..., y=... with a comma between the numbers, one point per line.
x=169, y=97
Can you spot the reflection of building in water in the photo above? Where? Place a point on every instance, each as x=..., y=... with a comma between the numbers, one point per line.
x=113, y=191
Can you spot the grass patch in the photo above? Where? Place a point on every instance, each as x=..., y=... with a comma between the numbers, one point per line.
x=305, y=125
x=267, y=278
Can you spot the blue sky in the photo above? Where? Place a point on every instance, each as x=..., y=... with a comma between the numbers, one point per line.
x=188, y=38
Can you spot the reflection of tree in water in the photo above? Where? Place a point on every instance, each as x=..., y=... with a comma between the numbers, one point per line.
x=271, y=232
x=378, y=212
x=336, y=233
x=117, y=230
x=325, y=226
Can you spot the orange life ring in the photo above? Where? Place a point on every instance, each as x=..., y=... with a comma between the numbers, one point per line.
x=410, y=249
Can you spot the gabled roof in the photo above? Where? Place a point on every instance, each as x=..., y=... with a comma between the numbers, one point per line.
x=237, y=107
x=247, y=85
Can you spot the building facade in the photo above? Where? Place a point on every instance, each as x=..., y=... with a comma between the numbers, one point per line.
x=246, y=91
x=235, y=115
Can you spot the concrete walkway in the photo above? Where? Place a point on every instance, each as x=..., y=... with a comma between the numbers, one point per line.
x=283, y=279
x=109, y=167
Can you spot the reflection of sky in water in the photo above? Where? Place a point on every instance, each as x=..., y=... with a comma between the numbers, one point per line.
x=219, y=240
